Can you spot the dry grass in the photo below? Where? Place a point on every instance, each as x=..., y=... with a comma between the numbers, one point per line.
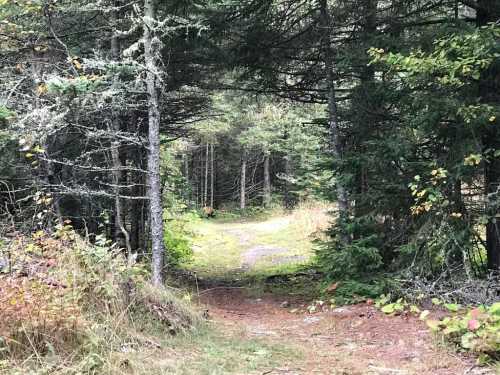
x=67, y=307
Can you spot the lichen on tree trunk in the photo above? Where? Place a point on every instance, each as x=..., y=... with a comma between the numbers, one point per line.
x=152, y=46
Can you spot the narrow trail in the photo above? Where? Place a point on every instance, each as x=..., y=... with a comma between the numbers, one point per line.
x=350, y=340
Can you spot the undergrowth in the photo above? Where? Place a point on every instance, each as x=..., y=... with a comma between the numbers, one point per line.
x=68, y=307
x=468, y=329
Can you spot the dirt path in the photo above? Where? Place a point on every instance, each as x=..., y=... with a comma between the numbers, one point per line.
x=351, y=340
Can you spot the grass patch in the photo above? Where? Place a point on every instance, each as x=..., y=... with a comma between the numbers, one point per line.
x=233, y=353
x=270, y=253
x=220, y=245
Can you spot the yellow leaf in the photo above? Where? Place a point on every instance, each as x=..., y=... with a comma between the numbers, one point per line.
x=41, y=89
x=77, y=64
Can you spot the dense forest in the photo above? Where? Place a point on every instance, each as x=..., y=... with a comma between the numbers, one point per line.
x=126, y=125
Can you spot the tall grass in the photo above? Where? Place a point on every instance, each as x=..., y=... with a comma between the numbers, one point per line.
x=69, y=307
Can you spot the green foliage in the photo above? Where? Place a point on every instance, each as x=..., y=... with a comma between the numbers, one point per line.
x=455, y=60
x=477, y=330
x=356, y=291
x=472, y=329
x=360, y=258
x=409, y=194
x=387, y=305
x=5, y=114
x=73, y=86
x=177, y=238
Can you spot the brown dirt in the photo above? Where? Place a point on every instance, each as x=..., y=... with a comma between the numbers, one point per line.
x=351, y=340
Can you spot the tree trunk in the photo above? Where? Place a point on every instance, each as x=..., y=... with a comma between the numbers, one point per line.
x=205, y=189
x=212, y=175
x=136, y=206
x=333, y=124
x=489, y=11
x=267, y=181
x=287, y=195
x=243, y=180
x=152, y=47
x=115, y=156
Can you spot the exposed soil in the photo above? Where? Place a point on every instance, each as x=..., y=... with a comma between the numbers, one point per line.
x=349, y=340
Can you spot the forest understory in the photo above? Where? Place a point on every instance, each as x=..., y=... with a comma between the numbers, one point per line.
x=249, y=187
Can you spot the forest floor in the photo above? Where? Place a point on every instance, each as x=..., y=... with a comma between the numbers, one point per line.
x=237, y=264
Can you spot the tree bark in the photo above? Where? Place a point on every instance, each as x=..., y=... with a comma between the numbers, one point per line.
x=287, y=196
x=205, y=189
x=489, y=11
x=267, y=181
x=333, y=124
x=152, y=47
x=212, y=175
x=115, y=156
x=243, y=180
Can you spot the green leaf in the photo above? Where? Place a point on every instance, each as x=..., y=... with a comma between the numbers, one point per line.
x=388, y=309
x=451, y=329
x=494, y=309
x=414, y=309
x=453, y=307
x=436, y=301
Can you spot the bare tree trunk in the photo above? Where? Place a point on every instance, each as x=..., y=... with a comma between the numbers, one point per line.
x=266, y=197
x=287, y=196
x=152, y=47
x=115, y=156
x=333, y=124
x=205, y=191
x=212, y=175
x=243, y=180
x=135, y=211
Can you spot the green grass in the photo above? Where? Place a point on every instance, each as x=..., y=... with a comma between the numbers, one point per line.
x=215, y=252
x=207, y=351
x=220, y=246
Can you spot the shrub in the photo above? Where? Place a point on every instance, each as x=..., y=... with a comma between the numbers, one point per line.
x=358, y=259
x=38, y=317
x=355, y=291
x=66, y=298
x=176, y=236
x=5, y=114
x=477, y=330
